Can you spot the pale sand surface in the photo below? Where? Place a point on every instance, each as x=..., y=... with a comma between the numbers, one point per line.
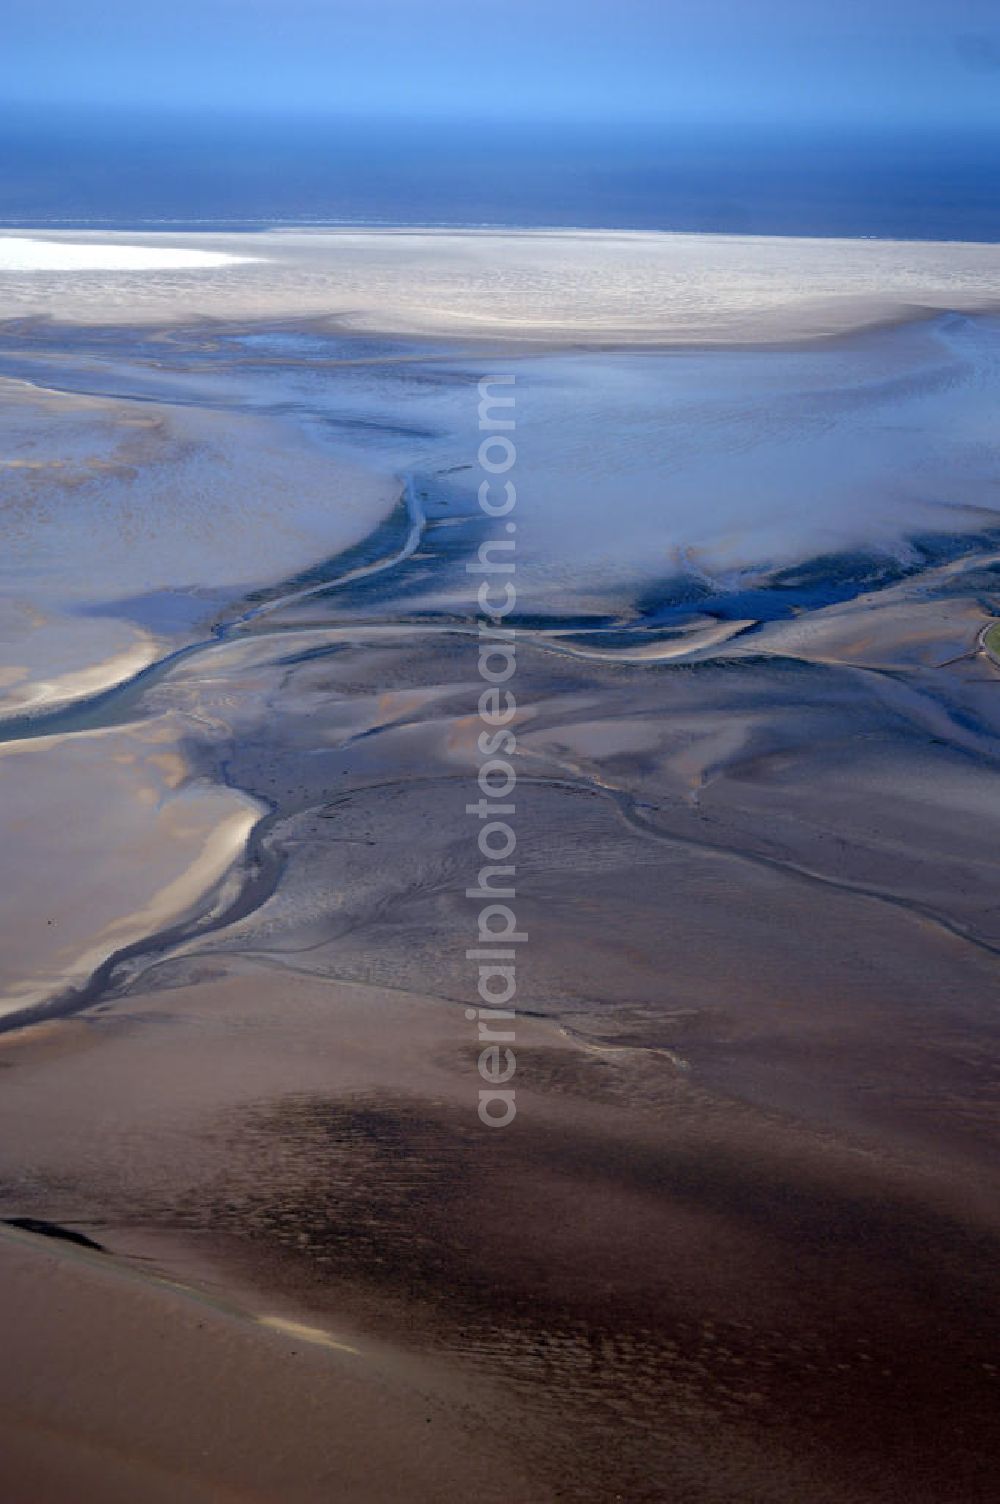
x=603, y=286
x=109, y=500
x=164, y=842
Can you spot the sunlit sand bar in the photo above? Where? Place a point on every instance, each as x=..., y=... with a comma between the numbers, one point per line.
x=605, y=287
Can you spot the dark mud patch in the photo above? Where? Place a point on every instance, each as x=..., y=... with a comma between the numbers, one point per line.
x=46, y=1229
x=705, y=1311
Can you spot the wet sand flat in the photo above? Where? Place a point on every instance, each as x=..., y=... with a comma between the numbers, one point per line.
x=651, y=1287
x=740, y=1241
x=118, y=1389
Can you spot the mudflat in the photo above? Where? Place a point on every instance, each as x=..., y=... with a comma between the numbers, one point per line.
x=740, y=1240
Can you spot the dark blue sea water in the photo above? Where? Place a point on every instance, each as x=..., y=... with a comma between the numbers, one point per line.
x=125, y=170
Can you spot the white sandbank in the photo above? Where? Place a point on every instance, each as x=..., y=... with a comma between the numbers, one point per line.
x=23, y=254
x=547, y=286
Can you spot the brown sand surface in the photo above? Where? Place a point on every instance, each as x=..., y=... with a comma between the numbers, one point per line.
x=116, y=1388
x=640, y=1290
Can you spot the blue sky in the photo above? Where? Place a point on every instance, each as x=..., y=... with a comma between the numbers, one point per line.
x=885, y=62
